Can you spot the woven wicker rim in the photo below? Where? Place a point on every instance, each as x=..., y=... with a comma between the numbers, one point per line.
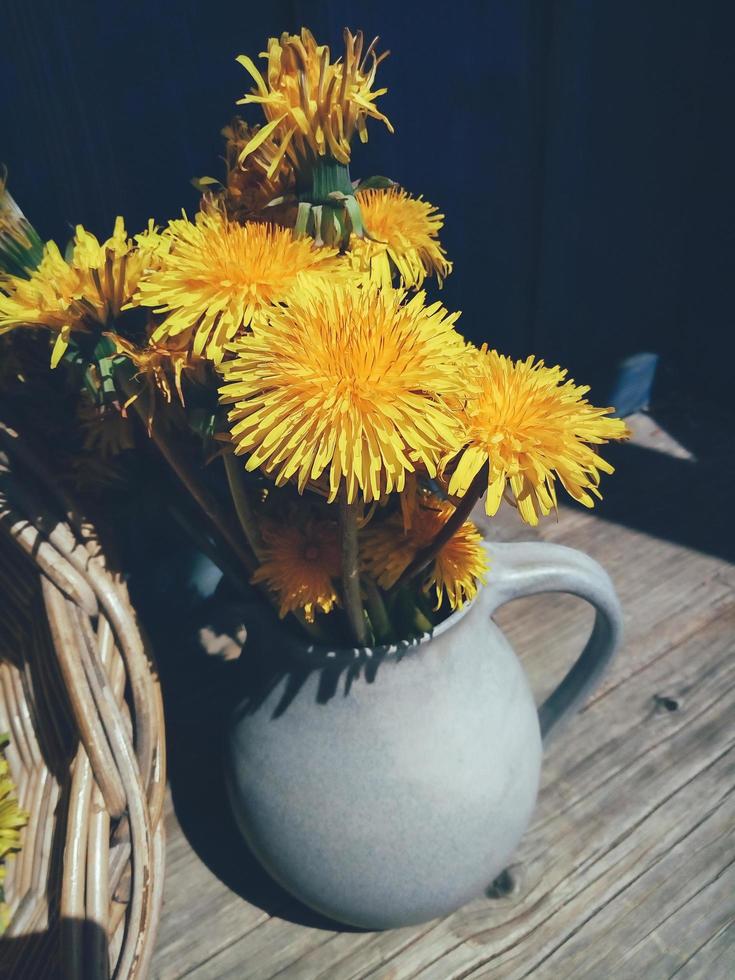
x=102, y=804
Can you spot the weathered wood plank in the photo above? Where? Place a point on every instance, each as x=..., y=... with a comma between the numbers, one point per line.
x=713, y=960
x=604, y=741
x=261, y=953
x=654, y=922
x=661, y=952
x=192, y=893
x=667, y=593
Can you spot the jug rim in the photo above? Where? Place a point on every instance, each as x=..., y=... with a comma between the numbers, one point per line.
x=327, y=655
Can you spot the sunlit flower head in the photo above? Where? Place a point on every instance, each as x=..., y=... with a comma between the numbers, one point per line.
x=349, y=381
x=86, y=292
x=300, y=563
x=533, y=427
x=387, y=548
x=12, y=818
x=12, y=821
x=314, y=106
x=403, y=238
x=219, y=274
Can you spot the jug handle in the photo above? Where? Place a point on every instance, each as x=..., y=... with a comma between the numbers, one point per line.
x=528, y=568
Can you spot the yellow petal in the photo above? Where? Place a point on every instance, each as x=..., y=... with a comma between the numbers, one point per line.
x=60, y=345
x=260, y=137
x=249, y=66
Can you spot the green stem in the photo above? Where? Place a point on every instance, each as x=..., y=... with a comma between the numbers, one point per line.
x=350, y=569
x=422, y=623
x=377, y=612
x=182, y=470
x=234, y=470
x=328, y=176
x=460, y=515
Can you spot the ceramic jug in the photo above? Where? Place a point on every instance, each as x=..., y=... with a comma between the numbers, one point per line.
x=386, y=787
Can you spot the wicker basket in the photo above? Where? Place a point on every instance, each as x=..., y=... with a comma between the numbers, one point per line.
x=80, y=700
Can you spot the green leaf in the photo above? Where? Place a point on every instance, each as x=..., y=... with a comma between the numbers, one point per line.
x=375, y=183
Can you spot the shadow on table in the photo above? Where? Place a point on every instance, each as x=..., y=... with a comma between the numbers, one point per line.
x=687, y=501
x=37, y=956
x=200, y=694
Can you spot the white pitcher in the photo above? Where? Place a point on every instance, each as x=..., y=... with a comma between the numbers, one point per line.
x=385, y=787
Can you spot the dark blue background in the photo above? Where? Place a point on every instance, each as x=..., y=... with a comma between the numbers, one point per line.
x=582, y=151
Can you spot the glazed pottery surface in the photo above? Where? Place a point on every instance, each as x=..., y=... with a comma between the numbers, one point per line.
x=388, y=787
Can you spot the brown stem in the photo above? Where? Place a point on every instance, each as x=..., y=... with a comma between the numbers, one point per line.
x=235, y=470
x=205, y=500
x=460, y=515
x=350, y=569
x=184, y=472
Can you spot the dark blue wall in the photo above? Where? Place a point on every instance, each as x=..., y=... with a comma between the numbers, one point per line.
x=582, y=151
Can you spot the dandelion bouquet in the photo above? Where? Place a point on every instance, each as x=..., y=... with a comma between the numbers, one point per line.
x=331, y=424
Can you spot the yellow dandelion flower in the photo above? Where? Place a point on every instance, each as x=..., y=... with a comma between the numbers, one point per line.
x=532, y=426
x=388, y=548
x=219, y=274
x=12, y=818
x=106, y=431
x=160, y=366
x=313, y=105
x=403, y=239
x=151, y=246
x=300, y=564
x=12, y=821
x=46, y=298
x=351, y=381
x=86, y=292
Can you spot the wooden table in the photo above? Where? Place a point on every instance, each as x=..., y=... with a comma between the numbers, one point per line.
x=627, y=869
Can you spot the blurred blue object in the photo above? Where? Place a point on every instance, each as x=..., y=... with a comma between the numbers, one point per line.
x=203, y=576
x=633, y=383
x=183, y=575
